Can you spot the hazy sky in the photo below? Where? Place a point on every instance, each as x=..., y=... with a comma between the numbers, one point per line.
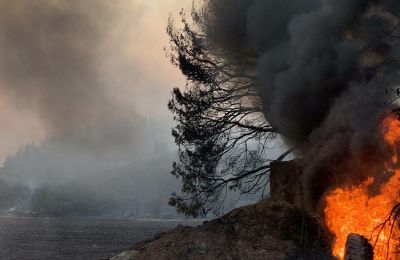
x=133, y=65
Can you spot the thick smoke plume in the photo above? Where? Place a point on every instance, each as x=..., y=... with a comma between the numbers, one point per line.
x=326, y=73
x=51, y=53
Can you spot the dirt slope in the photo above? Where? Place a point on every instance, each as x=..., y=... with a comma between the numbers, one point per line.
x=266, y=230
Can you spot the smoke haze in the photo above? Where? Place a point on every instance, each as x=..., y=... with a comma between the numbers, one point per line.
x=50, y=54
x=78, y=80
x=324, y=68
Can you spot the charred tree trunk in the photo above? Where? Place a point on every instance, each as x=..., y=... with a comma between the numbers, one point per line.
x=358, y=248
x=285, y=183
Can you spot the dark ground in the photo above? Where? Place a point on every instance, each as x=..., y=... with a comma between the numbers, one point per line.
x=266, y=230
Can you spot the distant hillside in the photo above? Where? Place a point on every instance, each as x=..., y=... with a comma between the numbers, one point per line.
x=31, y=182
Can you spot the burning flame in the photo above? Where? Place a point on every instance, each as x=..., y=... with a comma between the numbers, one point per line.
x=353, y=210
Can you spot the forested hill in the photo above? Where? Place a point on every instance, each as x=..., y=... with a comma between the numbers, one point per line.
x=33, y=182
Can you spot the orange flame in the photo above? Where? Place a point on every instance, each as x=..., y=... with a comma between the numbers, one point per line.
x=353, y=210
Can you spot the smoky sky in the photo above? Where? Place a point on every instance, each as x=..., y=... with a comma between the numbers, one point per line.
x=51, y=53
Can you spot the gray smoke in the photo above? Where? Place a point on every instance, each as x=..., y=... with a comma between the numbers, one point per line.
x=326, y=70
x=51, y=53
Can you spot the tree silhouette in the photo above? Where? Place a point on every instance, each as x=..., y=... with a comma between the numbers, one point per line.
x=221, y=131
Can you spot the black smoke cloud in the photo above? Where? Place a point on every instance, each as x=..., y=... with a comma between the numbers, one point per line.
x=310, y=51
x=51, y=53
x=326, y=71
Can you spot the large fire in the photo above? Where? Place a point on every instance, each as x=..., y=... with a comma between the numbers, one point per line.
x=353, y=210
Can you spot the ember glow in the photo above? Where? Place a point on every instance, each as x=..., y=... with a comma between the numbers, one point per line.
x=352, y=210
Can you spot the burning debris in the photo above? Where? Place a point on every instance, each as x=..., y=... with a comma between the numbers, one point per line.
x=361, y=216
x=364, y=208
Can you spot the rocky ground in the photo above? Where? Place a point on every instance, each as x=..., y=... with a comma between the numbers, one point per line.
x=266, y=230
